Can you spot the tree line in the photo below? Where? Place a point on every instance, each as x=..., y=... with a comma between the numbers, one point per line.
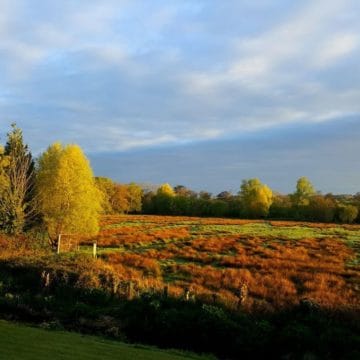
x=57, y=193
x=255, y=200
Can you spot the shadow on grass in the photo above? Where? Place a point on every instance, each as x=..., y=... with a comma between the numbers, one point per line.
x=155, y=319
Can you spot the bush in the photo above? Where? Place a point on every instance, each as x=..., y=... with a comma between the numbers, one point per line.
x=347, y=213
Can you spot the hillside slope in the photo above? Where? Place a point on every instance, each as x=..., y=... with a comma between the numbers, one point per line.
x=19, y=342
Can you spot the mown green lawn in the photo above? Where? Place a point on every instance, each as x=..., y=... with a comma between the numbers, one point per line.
x=19, y=342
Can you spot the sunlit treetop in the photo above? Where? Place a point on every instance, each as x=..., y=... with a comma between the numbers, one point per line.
x=166, y=189
x=304, y=190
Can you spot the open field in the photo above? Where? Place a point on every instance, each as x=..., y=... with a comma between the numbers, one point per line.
x=19, y=342
x=174, y=282
x=281, y=262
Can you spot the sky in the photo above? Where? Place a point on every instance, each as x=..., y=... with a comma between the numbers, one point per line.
x=200, y=93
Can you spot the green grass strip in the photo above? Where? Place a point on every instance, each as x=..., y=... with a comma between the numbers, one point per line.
x=19, y=342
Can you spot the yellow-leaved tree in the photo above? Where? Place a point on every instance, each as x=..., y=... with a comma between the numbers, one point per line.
x=256, y=198
x=67, y=195
x=166, y=189
x=304, y=191
x=163, y=200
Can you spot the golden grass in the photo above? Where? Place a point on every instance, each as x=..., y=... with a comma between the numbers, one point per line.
x=279, y=271
x=213, y=262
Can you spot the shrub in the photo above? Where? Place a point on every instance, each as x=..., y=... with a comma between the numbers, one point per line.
x=347, y=213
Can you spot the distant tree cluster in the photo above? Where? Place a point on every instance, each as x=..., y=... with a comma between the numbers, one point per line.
x=255, y=200
x=309, y=205
x=182, y=201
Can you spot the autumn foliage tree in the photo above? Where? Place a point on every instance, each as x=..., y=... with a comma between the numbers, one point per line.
x=165, y=189
x=304, y=191
x=321, y=208
x=106, y=187
x=255, y=197
x=135, y=193
x=67, y=195
x=119, y=198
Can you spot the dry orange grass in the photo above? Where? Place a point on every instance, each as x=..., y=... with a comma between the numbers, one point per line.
x=176, y=220
x=149, y=266
x=17, y=247
x=279, y=271
x=134, y=234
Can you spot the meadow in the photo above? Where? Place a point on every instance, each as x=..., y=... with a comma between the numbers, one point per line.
x=281, y=262
x=177, y=282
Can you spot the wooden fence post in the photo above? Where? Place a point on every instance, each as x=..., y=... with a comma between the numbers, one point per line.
x=94, y=250
x=242, y=295
x=214, y=297
x=130, y=290
x=187, y=294
x=58, y=244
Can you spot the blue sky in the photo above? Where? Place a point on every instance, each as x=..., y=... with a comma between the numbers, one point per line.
x=203, y=93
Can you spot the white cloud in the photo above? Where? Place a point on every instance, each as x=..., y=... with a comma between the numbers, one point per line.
x=306, y=38
x=119, y=138
x=21, y=58
x=339, y=46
